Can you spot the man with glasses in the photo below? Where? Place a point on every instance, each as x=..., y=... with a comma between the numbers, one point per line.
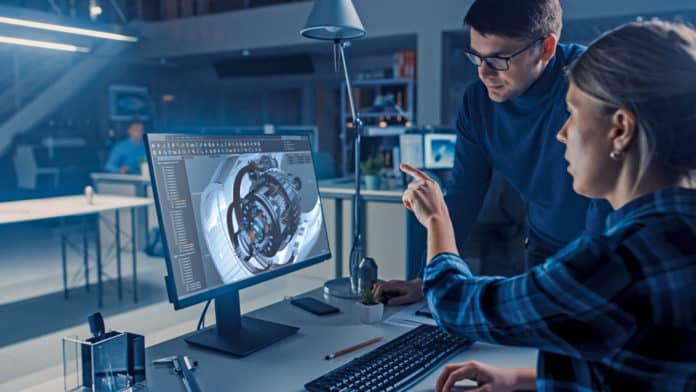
x=508, y=121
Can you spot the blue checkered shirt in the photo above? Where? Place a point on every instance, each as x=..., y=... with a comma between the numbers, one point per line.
x=615, y=312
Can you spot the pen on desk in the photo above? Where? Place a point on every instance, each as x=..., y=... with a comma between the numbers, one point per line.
x=353, y=348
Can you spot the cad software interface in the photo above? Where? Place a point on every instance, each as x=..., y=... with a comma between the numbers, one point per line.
x=236, y=207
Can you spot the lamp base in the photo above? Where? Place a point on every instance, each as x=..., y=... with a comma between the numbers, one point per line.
x=340, y=288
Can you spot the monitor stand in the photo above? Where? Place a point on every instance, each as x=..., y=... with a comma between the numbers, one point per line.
x=236, y=334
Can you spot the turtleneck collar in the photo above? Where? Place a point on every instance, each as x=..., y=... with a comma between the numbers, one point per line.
x=542, y=88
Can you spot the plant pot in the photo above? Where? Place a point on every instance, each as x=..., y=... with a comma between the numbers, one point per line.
x=371, y=182
x=370, y=313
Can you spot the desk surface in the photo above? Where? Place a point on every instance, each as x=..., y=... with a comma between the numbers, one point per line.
x=117, y=177
x=58, y=207
x=343, y=188
x=289, y=364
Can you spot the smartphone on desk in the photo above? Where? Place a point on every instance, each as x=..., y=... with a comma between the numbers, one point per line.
x=314, y=306
x=424, y=312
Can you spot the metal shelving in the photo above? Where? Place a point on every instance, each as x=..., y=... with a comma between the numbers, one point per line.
x=365, y=92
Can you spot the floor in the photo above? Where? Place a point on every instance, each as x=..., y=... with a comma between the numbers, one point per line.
x=35, y=315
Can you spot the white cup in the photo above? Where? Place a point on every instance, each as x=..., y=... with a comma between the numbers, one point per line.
x=89, y=194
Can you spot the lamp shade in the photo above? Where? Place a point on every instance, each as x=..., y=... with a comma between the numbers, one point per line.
x=333, y=20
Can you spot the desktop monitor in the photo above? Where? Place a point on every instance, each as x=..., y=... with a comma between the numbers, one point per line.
x=439, y=150
x=430, y=151
x=234, y=211
x=411, y=147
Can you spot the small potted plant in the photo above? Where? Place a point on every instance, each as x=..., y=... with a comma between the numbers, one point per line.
x=369, y=307
x=370, y=170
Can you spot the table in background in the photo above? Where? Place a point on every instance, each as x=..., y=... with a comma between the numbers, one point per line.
x=129, y=185
x=68, y=206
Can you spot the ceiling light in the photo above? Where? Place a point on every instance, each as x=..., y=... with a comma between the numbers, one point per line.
x=42, y=44
x=67, y=29
x=94, y=12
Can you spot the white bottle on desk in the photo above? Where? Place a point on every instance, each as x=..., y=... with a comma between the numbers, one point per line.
x=89, y=194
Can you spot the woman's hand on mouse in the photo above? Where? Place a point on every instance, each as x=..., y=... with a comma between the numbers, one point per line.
x=400, y=292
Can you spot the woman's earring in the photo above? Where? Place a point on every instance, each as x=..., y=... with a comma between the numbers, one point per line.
x=617, y=156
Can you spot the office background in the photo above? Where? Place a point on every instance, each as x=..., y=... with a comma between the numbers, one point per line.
x=220, y=66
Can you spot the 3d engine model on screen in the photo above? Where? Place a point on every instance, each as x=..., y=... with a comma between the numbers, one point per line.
x=253, y=218
x=267, y=216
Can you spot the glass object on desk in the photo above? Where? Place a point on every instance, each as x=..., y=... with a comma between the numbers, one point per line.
x=367, y=274
x=113, y=363
x=357, y=253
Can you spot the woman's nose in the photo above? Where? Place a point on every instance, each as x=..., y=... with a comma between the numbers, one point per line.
x=562, y=135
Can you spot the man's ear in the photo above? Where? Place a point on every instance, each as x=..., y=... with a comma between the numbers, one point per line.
x=548, y=47
x=623, y=129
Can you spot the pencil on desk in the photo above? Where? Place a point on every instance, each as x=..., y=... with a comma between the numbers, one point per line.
x=353, y=348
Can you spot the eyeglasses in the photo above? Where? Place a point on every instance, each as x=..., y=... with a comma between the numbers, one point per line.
x=498, y=63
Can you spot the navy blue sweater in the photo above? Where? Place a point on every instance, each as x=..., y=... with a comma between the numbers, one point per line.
x=518, y=139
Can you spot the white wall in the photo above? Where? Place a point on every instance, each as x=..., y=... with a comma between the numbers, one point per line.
x=278, y=26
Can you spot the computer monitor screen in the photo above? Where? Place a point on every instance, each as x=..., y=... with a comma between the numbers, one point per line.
x=439, y=150
x=411, y=146
x=235, y=210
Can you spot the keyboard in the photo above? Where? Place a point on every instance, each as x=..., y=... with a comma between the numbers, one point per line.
x=394, y=366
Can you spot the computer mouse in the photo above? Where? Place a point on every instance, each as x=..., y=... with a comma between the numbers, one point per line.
x=387, y=295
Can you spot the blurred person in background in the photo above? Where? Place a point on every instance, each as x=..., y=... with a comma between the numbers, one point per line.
x=127, y=155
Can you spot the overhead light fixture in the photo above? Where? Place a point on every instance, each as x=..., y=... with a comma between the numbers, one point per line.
x=67, y=29
x=94, y=10
x=42, y=44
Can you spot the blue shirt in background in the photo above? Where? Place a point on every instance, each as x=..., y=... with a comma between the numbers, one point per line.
x=518, y=139
x=126, y=153
x=610, y=312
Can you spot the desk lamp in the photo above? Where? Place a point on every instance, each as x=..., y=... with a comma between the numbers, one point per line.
x=337, y=21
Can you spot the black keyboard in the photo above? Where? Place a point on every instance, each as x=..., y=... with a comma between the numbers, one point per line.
x=394, y=366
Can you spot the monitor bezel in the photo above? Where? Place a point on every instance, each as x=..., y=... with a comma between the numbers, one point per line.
x=193, y=299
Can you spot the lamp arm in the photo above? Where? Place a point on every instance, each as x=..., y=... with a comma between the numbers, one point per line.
x=357, y=126
x=348, y=84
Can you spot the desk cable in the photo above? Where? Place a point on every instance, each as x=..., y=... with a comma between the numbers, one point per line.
x=201, y=321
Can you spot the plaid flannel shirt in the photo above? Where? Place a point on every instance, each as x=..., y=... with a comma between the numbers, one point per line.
x=612, y=312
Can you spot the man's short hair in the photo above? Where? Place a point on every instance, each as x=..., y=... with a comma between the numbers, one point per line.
x=531, y=19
